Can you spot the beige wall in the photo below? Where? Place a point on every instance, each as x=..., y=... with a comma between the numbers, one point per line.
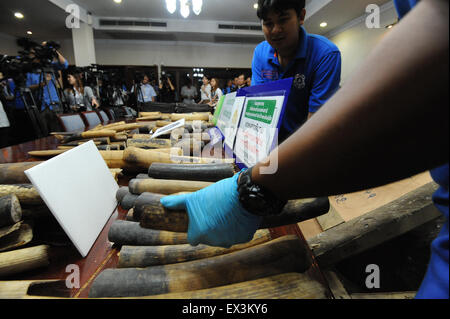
x=176, y=54
x=357, y=42
x=8, y=45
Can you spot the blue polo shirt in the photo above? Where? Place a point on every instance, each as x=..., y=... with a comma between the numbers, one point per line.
x=50, y=94
x=316, y=70
x=436, y=282
x=148, y=92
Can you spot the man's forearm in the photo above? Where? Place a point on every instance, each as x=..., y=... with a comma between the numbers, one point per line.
x=385, y=124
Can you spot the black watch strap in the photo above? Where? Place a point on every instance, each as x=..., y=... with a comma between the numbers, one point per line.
x=257, y=199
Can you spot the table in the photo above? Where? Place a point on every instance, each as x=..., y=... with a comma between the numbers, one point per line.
x=103, y=254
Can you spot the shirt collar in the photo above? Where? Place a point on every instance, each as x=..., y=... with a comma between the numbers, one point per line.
x=301, y=50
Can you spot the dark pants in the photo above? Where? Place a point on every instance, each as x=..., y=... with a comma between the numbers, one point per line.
x=50, y=118
x=5, y=137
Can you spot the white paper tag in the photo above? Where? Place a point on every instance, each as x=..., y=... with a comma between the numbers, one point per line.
x=168, y=128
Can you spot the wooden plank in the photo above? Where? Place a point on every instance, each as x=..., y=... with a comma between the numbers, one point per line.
x=380, y=225
x=310, y=228
x=386, y=295
x=336, y=286
x=350, y=206
x=331, y=219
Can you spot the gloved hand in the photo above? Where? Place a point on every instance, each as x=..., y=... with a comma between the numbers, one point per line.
x=216, y=216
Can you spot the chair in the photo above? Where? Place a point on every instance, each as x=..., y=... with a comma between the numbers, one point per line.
x=103, y=116
x=72, y=123
x=111, y=114
x=91, y=119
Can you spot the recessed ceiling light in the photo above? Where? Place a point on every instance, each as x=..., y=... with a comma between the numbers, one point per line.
x=323, y=25
x=118, y=1
x=29, y=32
x=18, y=15
x=255, y=6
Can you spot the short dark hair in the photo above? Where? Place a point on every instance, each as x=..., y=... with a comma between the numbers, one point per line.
x=264, y=6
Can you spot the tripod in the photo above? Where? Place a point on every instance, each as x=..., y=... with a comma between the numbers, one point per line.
x=61, y=97
x=39, y=127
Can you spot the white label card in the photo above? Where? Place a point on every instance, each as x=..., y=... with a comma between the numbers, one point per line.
x=168, y=128
x=258, y=128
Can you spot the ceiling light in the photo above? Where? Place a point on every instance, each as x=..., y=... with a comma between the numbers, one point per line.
x=255, y=6
x=18, y=15
x=171, y=6
x=323, y=25
x=197, y=6
x=118, y=1
x=184, y=8
x=29, y=32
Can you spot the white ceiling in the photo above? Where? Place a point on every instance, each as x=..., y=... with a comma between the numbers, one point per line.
x=221, y=10
x=47, y=21
x=338, y=12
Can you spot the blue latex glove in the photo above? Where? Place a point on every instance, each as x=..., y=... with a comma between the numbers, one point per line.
x=216, y=216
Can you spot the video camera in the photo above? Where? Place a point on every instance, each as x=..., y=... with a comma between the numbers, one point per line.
x=43, y=54
x=16, y=67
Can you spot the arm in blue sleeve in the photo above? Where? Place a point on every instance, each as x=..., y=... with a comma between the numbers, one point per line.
x=257, y=78
x=60, y=66
x=327, y=78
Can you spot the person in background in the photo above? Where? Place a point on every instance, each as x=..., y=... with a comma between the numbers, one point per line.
x=205, y=90
x=216, y=92
x=313, y=61
x=235, y=84
x=351, y=144
x=166, y=90
x=145, y=92
x=80, y=97
x=229, y=88
x=248, y=81
x=241, y=82
x=5, y=125
x=188, y=92
x=46, y=91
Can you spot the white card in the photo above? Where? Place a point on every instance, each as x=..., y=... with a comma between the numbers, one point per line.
x=168, y=128
x=79, y=190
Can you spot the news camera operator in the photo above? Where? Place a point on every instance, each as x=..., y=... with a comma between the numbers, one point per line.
x=145, y=93
x=43, y=82
x=5, y=111
x=166, y=89
x=80, y=98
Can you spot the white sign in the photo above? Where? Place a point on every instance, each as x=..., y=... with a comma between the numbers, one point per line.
x=3, y=118
x=168, y=128
x=226, y=112
x=258, y=128
x=79, y=190
x=231, y=126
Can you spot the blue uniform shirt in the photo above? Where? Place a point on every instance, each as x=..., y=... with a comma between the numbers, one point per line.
x=50, y=94
x=147, y=93
x=436, y=282
x=316, y=71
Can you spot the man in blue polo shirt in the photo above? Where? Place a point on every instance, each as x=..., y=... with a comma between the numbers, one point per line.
x=289, y=51
x=43, y=85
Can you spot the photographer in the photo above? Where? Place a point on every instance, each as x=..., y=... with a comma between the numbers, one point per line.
x=166, y=89
x=43, y=83
x=5, y=126
x=188, y=92
x=80, y=97
x=205, y=90
x=145, y=93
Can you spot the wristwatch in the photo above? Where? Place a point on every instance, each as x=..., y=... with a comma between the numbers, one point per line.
x=257, y=199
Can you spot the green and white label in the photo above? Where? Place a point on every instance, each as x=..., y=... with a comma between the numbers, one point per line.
x=261, y=110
